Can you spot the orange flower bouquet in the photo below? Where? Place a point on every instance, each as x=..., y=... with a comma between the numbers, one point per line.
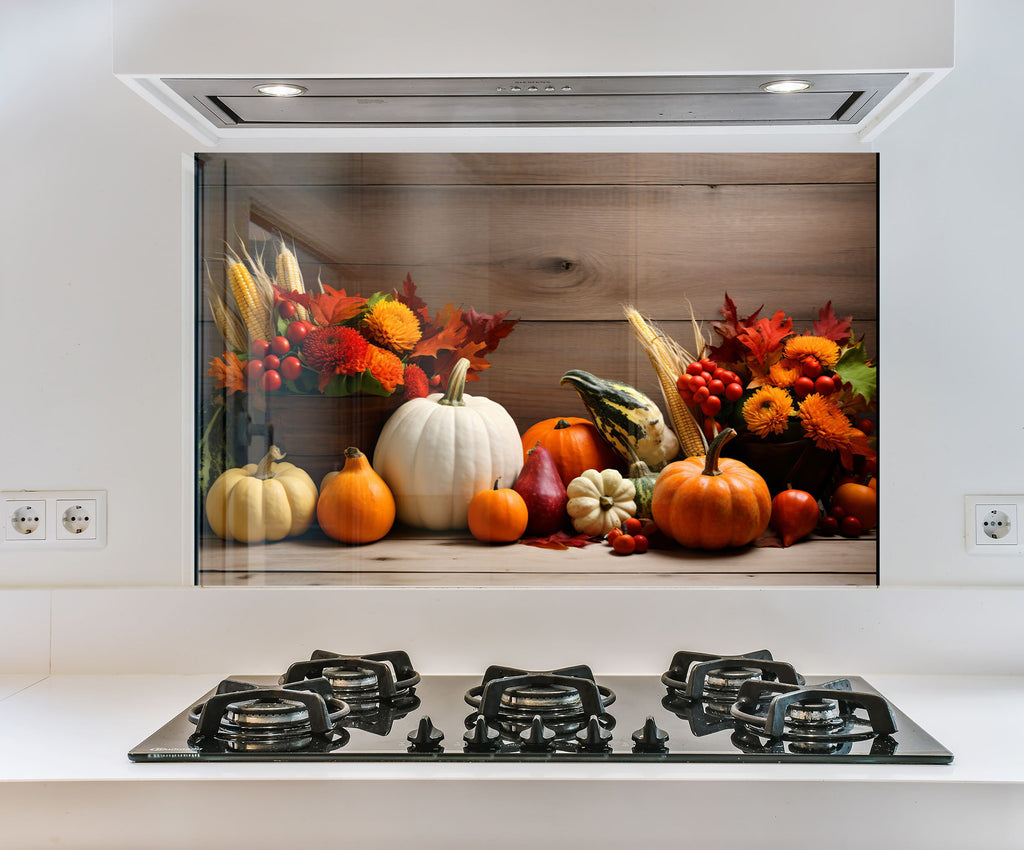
x=281, y=337
x=777, y=386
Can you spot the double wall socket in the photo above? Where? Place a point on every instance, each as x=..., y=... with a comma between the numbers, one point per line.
x=54, y=519
x=992, y=525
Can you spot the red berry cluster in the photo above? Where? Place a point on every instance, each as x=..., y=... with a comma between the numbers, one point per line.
x=270, y=362
x=812, y=381
x=838, y=521
x=706, y=385
x=632, y=538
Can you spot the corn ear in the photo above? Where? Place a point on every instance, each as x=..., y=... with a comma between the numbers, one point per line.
x=231, y=328
x=251, y=305
x=669, y=361
x=289, y=278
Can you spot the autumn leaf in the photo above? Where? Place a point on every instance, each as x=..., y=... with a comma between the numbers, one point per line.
x=560, y=540
x=855, y=369
x=411, y=300
x=333, y=306
x=472, y=351
x=450, y=335
x=765, y=337
x=730, y=349
x=831, y=326
x=301, y=298
x=229, y=372
x=489, y=329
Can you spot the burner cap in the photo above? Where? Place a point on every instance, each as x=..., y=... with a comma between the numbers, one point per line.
x=269, y=714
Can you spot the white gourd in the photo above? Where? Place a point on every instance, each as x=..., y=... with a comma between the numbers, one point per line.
x=600, y=501
x=436, y=453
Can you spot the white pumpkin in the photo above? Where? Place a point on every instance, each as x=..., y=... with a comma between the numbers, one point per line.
x=436, y=453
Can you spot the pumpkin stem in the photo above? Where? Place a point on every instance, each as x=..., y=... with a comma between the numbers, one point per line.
x=562, y=423
x=273, y=455
x=456, y=385
x=715, y=449
x=496, y=480
x=606, y=503
x=352, y=451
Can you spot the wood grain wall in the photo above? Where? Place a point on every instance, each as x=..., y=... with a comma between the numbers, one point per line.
x=564, y=240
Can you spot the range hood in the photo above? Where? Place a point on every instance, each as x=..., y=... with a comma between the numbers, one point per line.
x=647, y=101
x=405, y=68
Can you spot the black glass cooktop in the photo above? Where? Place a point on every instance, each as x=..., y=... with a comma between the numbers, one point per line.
x=564, y=715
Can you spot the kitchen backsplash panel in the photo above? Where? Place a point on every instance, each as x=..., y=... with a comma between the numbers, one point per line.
x=559, y=243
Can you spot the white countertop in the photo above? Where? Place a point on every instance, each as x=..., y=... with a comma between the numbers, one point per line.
x=64, y=741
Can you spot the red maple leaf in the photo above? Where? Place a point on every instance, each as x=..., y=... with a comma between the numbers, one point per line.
x=831, y=326
x=300, y=298
x=472, y=351
x=730, y=349
x=765, y=337
x=333, y=306
x=560, y=540
x=410, y=299
x=489, y=329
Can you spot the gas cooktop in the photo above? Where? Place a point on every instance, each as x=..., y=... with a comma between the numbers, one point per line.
x=704, y=708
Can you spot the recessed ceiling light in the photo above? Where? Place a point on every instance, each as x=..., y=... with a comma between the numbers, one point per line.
x=280, y=90
x=786, y=86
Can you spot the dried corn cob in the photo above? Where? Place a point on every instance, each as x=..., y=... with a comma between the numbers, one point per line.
x=669, y=362
x=250, y=303
x=289, y=278
x=231, y=328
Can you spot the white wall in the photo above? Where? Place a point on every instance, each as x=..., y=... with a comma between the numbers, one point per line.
x=93, y=384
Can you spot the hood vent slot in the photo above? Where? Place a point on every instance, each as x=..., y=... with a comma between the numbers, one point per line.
x=538, y=102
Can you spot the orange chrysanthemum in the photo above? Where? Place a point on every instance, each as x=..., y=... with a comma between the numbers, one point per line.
x=784, y=373
x=229, y=372
x=393, y=325
x=334, y=351
x=386, y=368
x=416, y=383
x=824, y=350
x=825, y=423
x=767, y=411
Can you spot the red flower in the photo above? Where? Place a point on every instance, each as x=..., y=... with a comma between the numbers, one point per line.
x=416, y=384
x=336, y=351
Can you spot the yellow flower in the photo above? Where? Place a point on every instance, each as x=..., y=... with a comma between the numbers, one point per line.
x=767, y=411
x=784, y=373
x=825, y=423
x=824, y=350
x=393, y=325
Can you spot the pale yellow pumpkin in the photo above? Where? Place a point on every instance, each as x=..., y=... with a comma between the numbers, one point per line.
x=261, y=502
x=600, y=501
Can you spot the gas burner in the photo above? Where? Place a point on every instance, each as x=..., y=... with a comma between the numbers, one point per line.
x=366, y=682
x=563, y=699
x=243, y=717
x=812, y=718
x=717, y=679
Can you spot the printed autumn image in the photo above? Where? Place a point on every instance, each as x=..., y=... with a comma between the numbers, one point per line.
x=281, y=337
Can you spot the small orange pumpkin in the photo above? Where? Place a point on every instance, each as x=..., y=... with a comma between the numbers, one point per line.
x=497, y=515
x=575, y=445
x=858, y=500
x=708, y=503
x=355, y=504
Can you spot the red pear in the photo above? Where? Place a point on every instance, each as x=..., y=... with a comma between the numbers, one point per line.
x=542, y=489
x=794, y=515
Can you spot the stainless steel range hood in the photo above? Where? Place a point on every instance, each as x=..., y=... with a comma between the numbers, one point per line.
x=582, y=70
x=646, y=101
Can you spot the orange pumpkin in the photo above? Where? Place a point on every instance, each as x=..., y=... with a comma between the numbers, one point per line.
x=575, y=445
x=355, y=505
x=497, y=515
x=858, y=500
x=708, y=503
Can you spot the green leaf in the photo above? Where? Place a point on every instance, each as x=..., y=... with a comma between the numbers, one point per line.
x=371, y=386
x=338, y=387
x=854, y=369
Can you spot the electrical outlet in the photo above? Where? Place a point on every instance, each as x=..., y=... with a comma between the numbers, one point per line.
x=54, y=519
x=991, y=525
x=76, y=519
x=24, y=519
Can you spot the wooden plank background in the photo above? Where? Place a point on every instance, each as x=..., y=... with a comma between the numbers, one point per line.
x=562, y=241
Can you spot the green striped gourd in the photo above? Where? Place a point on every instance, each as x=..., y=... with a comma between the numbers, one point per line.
x=643, y=481
x=627, y=418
